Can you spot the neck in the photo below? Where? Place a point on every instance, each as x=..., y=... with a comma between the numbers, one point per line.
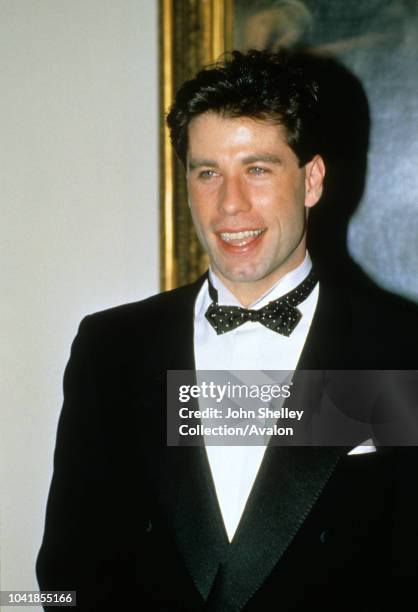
x=248, y=293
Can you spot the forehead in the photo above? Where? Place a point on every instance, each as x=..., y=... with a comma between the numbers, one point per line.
x=215, y=130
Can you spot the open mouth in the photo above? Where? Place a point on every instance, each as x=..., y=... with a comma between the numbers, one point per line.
x=241, y=238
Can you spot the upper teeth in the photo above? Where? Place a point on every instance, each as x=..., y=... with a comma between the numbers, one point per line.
x=240, y=235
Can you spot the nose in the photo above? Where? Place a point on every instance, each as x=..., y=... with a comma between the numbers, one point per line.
x=233, y=197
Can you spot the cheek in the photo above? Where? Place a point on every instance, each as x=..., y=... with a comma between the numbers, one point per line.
x=195, y=210
x=203, y=200
x=288, y=200
x=265, y=199
x=283, y=209
x=200, y=215
x=270, y=200
x=201, y=190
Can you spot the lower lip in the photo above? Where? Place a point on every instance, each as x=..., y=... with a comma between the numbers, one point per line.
x=240, y=250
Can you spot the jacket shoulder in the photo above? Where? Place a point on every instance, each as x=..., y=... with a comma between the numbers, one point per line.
x=148, y=314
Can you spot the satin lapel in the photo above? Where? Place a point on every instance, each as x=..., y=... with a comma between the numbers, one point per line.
x=198, y=524
x=327, y=346
x=181, y=475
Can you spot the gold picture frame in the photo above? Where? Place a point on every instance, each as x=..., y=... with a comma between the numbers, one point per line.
x=193, y=33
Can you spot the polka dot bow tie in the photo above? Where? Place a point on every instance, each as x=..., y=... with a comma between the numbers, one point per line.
x=281, y=315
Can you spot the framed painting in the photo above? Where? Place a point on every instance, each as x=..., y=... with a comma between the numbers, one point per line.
x=377, y=42
x=193, y=33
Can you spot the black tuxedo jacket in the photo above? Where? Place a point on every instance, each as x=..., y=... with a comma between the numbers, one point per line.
x=134, y=524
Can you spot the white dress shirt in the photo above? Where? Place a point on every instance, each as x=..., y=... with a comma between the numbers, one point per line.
x=251, y=346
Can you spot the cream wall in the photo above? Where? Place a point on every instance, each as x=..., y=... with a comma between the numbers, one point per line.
x=79, y=219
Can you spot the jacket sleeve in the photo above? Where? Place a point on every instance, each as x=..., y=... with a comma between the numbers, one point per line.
x=77, y=551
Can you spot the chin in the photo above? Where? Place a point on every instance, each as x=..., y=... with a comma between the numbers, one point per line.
x=241, y=274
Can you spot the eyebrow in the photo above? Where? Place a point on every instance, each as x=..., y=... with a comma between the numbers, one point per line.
x=250, y=159
x=199, y=162
x=262, y=157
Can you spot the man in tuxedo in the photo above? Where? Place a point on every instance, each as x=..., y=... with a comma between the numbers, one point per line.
x=135, y=524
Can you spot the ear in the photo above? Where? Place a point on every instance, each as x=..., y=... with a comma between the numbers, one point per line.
x=314, y=180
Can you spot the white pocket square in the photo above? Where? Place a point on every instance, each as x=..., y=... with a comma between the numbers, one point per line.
x=365, y=447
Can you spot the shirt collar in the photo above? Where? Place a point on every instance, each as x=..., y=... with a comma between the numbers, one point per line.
x=288, y=282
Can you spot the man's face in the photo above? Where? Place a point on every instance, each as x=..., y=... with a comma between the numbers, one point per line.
x=249, y=199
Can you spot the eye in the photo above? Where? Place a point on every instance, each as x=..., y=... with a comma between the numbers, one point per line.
x=258, y=170
x=207, y=174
